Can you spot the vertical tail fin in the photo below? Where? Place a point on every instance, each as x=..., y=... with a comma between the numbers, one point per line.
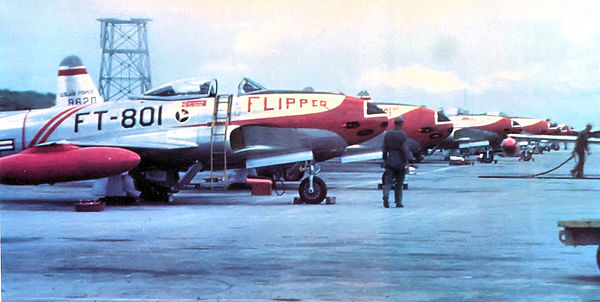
x=75, y=85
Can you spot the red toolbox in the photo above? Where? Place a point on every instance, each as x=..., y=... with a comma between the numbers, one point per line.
x=260, y=186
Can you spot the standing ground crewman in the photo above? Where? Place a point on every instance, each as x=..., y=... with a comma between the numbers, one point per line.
x=581, y=147
x=396, y=156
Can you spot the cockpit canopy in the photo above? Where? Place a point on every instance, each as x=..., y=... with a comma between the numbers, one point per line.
x=198, y=88
x=183, y=89
x=248, y=86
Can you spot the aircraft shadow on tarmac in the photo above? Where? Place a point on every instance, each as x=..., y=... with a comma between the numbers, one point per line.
x=595, y=280
x=45, y=205
x=225, y=201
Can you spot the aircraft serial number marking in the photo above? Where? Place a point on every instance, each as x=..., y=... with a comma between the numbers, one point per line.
x=130, y=117
x=82, y=101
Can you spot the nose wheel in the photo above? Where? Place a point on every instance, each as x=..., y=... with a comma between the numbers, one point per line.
x=312, y=189
x=314, y=196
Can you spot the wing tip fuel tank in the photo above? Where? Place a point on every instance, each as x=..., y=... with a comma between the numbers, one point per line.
x=59, y=163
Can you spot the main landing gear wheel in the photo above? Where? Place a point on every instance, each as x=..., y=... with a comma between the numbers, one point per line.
x=488, y=157
x=155, y=194
x=151, y=192
x=318, y=193
x=526, y=155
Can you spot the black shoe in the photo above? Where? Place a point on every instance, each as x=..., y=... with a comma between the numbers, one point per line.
x=399, y=205
x=386, y=204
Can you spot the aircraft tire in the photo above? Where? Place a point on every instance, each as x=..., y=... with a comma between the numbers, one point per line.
x=155, y=194
x=150, y=191
x=554, y=146
x=488, y=157
x=526, y=155
x=316, y=197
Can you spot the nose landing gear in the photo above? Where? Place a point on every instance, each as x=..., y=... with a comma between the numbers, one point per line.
x=312, y=189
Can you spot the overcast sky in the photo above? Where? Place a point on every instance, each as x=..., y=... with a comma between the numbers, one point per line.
x=526, y=58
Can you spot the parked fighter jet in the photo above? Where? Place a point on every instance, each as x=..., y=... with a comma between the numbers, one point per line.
x=514, y=144
x=532, y=125
x=479, y=134
x=424, y=127
x=184, y=126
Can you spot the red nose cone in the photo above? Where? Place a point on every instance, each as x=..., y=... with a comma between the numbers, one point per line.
x=509, y=146
x=50, y=164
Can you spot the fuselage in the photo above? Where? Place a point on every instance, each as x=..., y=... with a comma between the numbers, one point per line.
x=470, y=129
x=175, y=133
x=532, y=125
x=499, y=125
x=423, y=125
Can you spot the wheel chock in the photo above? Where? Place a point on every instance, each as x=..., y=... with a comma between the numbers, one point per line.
x=89, y=206
x=328, y=200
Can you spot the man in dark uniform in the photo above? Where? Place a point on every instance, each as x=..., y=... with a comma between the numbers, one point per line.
x=581, y=147
x=396, y=156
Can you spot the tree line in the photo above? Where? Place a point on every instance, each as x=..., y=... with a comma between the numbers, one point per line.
x=25, y=100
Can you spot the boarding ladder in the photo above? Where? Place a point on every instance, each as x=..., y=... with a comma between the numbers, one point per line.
x=218, y=138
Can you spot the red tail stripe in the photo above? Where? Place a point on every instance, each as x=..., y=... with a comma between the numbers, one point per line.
x=69, y=72
x=41, y=131
x=59, y=122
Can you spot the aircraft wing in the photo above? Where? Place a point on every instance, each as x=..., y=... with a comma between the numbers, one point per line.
x=371, y=150
x=469, y=138
x=163, y=140
x=266, y=146
x=551, y=138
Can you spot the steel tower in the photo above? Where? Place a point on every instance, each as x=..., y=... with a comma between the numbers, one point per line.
x=125, y=66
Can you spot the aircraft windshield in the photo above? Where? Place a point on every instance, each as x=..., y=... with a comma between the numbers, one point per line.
x=247, y=86
x=374, y=109
x=441, y=117
x=186, y=88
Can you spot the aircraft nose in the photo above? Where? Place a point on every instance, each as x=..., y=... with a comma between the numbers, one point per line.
x=509, y=146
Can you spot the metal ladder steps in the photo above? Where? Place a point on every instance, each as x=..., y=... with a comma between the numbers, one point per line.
x=220, y=121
